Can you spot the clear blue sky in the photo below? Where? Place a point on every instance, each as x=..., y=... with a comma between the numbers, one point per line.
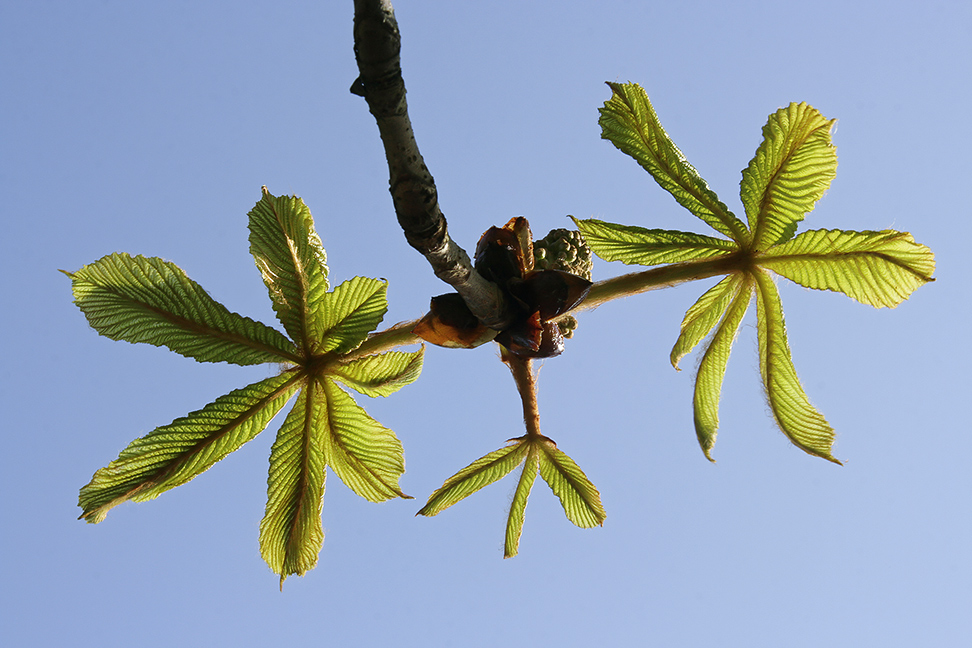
x=150, y=127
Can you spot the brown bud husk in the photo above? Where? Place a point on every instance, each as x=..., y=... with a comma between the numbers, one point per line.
x=450, y=323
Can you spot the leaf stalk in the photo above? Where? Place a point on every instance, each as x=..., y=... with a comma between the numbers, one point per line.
x=526, y=384
x=666, y=276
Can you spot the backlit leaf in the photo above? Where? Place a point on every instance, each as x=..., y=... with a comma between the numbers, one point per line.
x=291, y=534
x=479, y=474
x=712, y=368
x=578, y=496
x=150, y=300
x=379, y=375
x=367, y=456
x=514, y=522
x=291, y=259
x=791, y=170
x=173, y=454
x=876, y=268
x=629, y=122
x=354, y=309
x=648, y=247
x=703, y=315
x=146, y=299
x=799, y=420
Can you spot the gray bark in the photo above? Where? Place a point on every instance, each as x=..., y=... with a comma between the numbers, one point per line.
x=377, y=48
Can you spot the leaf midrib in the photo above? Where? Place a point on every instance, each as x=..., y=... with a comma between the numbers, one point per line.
x=705, y=200
x=293, y=543
x=765, y=202
x=349, y=456
x=813, y=257
x=170, y=468
x=576, y=484
x=198, y=328
x=301, y=276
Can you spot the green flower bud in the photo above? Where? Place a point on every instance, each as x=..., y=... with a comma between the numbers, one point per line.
x=567, y=326
x=564, y=250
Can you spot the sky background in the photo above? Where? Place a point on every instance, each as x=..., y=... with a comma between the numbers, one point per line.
x=149, y=128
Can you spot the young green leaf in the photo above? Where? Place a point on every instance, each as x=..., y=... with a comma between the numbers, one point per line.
x=578, y=496
x=367, y=456
x=799, y=420
x=150, y=300
x=630, y=123
x=380, y=375
x=514, y=522
x=790, y=172
x=291, y=259
x=479, y=474
x=173, y=454
x=712, y=368
x=639, y=246
x=792, y=168
x=291, y=533
x=350, y=312
x=146, y=299
x=876, y=268
x=703, y=315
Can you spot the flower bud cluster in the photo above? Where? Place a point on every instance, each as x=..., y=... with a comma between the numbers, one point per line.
x=566, y=250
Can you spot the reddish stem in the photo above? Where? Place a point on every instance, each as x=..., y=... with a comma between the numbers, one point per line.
x=526, y=384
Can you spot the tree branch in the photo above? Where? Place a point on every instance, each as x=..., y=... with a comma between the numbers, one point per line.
x=377, y=48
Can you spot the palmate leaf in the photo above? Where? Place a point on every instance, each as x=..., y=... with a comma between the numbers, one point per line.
x=517, y=514
x=703, y=315
x=712, y=368
x=173, y=454
x=799, y=420
x=477, y=475
x=367, y=456
x=630, y=123
x=291, y=259
x=291, y=533
x=150, y=300
x=639, y=246
x=380, y=375
x=146, y=299
x=790, y=172
x=577, y=494
x=880, y=269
